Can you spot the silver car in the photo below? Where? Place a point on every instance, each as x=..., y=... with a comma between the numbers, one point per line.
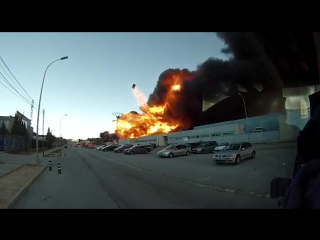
x=235, y=153
x=206, y=147
x=175, y=150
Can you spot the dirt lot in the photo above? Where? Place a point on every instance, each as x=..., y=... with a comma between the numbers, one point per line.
x=13, y=183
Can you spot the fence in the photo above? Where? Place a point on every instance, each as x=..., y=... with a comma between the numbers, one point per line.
x=12, y=142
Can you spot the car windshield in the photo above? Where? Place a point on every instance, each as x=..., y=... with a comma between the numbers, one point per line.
x=233, y=147
x=202, y=145
x=170, y=147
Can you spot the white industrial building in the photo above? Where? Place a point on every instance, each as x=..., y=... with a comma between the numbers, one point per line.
x=275, y=127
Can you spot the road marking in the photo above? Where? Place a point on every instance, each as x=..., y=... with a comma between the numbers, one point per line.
x=196, y=184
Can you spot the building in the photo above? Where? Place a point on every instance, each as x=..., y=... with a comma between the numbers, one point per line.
x=273, y=127
x=27, y=122
x=8, y=121
x=40, y=137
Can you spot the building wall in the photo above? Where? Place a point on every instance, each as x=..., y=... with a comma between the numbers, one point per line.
x=6, y=121
x=280, y=126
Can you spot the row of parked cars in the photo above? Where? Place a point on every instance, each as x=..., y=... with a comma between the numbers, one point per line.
x=128, y=148
x=223, y=153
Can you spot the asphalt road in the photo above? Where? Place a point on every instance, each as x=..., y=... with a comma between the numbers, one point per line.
x=93, y=180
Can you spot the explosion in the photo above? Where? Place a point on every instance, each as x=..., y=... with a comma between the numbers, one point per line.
x=155, y=117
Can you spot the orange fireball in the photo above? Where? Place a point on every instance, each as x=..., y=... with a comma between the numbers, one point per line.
x=152, y=120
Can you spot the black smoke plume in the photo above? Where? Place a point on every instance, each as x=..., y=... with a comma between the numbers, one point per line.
x=244, y=70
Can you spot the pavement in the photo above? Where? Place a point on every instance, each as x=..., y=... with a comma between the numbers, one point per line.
x=91, y=179
x=17, y=173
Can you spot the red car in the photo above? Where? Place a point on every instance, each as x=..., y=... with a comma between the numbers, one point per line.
x=75, y=145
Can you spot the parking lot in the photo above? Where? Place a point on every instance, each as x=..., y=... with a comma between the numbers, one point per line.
x=251, y=175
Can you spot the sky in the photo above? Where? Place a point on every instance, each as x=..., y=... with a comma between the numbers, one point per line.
x=96, y=79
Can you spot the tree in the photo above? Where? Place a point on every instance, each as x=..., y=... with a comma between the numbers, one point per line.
x=3, y=129
x=19, y=128
x=50, y=138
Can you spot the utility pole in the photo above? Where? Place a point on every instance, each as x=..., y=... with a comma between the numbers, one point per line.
x=118, y=116
x=43, y=132
x=29, y=130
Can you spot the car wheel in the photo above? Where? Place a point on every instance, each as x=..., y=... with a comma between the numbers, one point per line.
x=238, y=160
x=187, y=153
x=171, y=155
x=147, y=151
x=253, y=155
x=131, y=153
x=202, y=151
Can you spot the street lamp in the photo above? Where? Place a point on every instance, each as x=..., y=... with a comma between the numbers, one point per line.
x=245, y=110
x=39, y=105
x=60, y=130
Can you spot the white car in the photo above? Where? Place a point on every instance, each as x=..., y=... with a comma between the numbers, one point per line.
x=100, y=147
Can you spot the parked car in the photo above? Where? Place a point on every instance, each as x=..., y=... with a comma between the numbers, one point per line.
x=122, y=147
x=153, y=145
x=205, y=147
x=99, y=148
x=136, y=149
x=193, y=145
x=235, y=153
x=108, y=148
x=175, y=150
x=220, y=147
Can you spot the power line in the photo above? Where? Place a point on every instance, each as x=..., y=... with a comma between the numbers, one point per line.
x=6, y=80
x=13, y=93
x=21, y=97
x=15, y=78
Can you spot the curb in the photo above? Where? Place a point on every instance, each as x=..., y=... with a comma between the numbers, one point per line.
x=12, y=170
x=19, y=194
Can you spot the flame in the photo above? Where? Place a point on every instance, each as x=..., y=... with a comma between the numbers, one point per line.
x=153, y=119
x=176, y=87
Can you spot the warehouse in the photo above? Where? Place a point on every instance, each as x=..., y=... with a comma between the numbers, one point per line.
x=271, y=127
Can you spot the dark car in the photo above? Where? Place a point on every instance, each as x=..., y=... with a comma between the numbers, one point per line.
x=123, y=147
x=136, y=149
x=108, y=148
x=153, y=145
x=193, y=145
x=65, y=146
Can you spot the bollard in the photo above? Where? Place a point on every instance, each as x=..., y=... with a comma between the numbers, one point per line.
x=59, y=168
x=65, y=155
x=60, y=154
x=50, y=165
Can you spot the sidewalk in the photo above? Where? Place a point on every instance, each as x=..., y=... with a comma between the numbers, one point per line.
x=23, y=159
x=17, y=174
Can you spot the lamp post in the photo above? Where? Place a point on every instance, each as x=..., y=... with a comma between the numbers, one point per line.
x=60, y=130
x=245, y=110
x=39, y=106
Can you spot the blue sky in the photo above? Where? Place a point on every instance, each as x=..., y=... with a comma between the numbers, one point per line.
x=96, y=80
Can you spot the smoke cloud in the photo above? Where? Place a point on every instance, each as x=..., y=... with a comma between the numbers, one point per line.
x=212, y=77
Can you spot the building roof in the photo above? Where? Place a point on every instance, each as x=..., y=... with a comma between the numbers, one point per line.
x=19, y=113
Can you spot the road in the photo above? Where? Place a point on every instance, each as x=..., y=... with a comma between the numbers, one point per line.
x=95, y=180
